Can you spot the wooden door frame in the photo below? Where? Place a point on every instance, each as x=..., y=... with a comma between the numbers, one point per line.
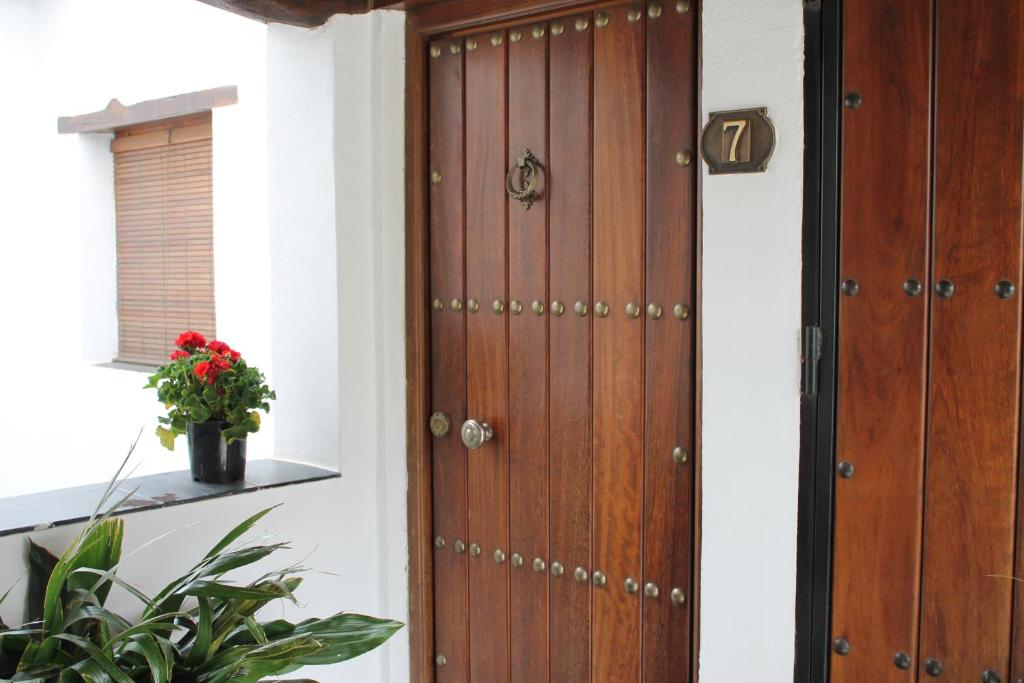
x=822, y=134
x=456, y=17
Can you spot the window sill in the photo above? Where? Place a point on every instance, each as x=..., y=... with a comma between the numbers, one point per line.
x=36, y=511
x=130, y=366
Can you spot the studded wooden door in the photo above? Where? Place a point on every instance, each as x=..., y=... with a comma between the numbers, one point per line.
x=563, y=346
x=926, y=488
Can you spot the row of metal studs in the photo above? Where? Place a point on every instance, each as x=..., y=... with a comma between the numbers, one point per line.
x=654, y=311
x=601, y=20
x=580, y=574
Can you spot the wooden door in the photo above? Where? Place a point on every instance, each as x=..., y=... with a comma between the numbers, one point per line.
x=564, y=329
x=926, y=519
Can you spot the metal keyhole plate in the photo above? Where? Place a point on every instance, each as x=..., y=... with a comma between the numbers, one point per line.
x=440, y=424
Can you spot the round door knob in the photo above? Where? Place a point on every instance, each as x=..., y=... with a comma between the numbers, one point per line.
x=476, y=434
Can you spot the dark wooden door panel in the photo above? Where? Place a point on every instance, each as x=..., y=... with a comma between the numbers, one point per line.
x=569, y=166
x=618, y=338
x=448, y=361
x=883, y=337
x=975, y=342
x=585, y=493
x=487, y=353
x=528, y=362
x=670, y=212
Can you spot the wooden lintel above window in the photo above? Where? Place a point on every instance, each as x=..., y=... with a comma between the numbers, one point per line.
x=117, y=115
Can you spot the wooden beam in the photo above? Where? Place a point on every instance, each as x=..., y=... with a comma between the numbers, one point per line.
x=307, y=13
x=117, y=115
x=417, y=363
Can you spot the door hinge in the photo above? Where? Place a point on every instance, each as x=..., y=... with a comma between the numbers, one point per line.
x=810, y=355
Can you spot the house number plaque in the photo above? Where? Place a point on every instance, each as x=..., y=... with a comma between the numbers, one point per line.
x=738, y=141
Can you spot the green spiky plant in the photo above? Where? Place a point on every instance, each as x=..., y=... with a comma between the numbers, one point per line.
x=201, y=628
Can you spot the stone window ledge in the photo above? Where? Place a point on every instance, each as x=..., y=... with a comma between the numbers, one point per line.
x=36, y=511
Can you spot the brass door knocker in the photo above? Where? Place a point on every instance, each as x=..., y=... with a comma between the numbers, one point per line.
x=528, y=169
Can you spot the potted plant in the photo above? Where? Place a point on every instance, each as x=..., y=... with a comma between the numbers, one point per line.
x=213, y=396
x=201, y=628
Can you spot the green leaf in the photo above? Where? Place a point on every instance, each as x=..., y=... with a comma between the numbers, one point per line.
x=13, y=644
x=200, y=650
x=36, y=674
x=345, y=635
x=253, y=663
x=98, y=545
x=226, y=562
x=164, y=623
x=166, y=437
x=237, y=532
x=40, y=566
x=249, y=425
x=88, y=670
x=170, y=598
x=226, y=591
x=158, y=665
x=96, y=614
x=108, y=575
x=101, y=549
x=254, y=628
x=96, y=656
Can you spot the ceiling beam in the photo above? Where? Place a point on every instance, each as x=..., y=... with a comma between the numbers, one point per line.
x=307, y=13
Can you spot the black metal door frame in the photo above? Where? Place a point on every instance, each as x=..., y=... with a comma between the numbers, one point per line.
x=822, y=81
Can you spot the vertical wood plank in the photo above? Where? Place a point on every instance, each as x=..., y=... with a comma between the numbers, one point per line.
x=618, y=339
x=448, y=353
x=568, y=188
x=487, y=352
x=698, y=380
x=669, y=365
x=528, y=359
x=883, y=334
x=975, y=366
x=418, y=360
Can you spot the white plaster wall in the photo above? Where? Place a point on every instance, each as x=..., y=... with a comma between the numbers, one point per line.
x=336, y=162
x=752, y=56
x=57, y=232
x=369, y=150
x=303, y=275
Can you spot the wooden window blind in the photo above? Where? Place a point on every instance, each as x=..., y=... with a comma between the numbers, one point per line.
x=163, y=189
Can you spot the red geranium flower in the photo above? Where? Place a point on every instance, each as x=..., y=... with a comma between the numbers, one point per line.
x=179, y=354
x=190, y=340
x=201, y=368
x=235, y=355
x=218, y=346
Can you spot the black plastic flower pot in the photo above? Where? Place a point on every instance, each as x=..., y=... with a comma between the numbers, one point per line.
x=213, y=459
